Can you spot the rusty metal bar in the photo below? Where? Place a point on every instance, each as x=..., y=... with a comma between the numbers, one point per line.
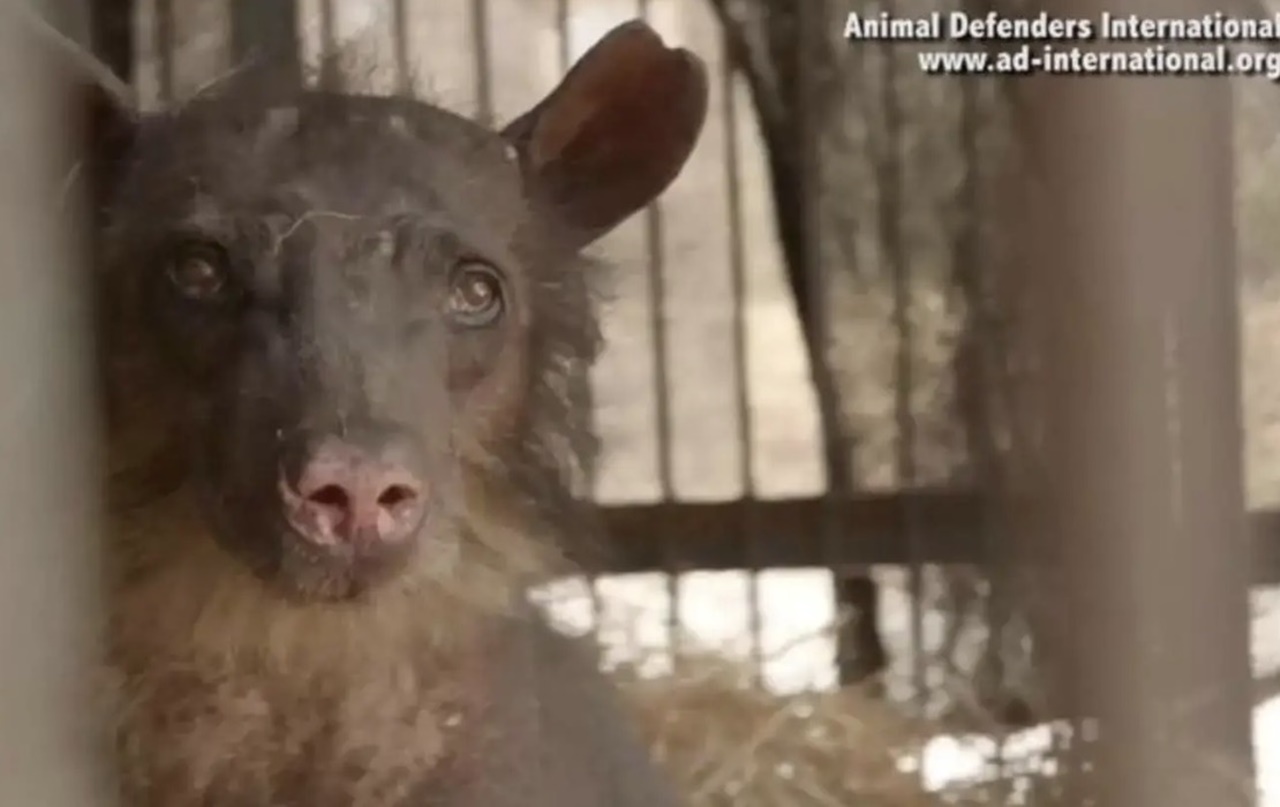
x=1139, y=294
x=741, y=381
x=484, y=65
x=50, y=752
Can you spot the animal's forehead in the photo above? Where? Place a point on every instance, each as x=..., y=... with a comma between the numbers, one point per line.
x=352, y=154
x=379, y=219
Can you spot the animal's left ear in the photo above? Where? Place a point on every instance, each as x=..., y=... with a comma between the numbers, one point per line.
x=615, y=132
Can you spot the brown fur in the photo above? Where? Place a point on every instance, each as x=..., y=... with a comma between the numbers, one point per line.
x=443, y=686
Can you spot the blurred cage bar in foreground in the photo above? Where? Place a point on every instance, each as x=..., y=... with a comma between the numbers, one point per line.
x=1129, y=232
x=1118, y=499
x=48, y=753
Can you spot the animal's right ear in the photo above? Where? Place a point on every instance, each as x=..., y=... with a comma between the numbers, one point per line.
x=615, y=132
x=104, y=133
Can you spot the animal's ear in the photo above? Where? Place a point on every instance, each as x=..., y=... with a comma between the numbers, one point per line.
x=105, y=131
x=615, y=132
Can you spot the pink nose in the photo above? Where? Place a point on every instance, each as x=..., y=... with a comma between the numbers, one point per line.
x=345, y=497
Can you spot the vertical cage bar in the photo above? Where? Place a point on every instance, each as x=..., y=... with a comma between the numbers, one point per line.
x=328, y=41
x=1139, y=282
x=808, y=22
x=50, y=752
x=112, y=35
x=564, y=60
x=854, y=588
x=563, y=46
x=268, y=32
x=400, y=44
x=978, y=387
x=741, y=380
x=889, y=182
x=656, y=270
x=484, y=65
x=165, y=32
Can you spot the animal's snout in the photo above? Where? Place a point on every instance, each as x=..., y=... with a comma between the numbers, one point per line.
x=345, y=494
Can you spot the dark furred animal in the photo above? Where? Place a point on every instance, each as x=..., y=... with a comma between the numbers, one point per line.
x=344, y=337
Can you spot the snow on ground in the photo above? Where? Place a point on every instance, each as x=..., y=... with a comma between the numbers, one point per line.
x=796, y=605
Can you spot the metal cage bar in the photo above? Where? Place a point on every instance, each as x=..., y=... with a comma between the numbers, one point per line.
x=165, y=34
x=49, y=753
x=267, y=31
x=112, y=37
x=483, y=61
x=564, y=59
x=853, y=586
x=889, y=182
x=400, y=46
x=655, y=271
x=741, y=380
x=1137, y=282
x=328, y=41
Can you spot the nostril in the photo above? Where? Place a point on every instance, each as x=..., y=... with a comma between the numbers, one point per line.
x=396, y=495
x=334, y=496
x=342, y=495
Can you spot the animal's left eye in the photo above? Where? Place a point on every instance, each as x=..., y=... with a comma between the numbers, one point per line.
x=475, y=295
x=198, y=271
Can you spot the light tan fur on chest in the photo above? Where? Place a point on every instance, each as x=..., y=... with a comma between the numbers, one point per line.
x=220, y=693
x=192, y=736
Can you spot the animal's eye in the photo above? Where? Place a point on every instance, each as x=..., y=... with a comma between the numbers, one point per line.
x=475, y=295
x=198, y=271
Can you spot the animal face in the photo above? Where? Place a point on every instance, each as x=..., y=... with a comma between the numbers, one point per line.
x=354, y=324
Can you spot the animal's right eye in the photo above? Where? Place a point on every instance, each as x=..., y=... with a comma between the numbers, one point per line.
x=475, y=294
x=199, y=272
